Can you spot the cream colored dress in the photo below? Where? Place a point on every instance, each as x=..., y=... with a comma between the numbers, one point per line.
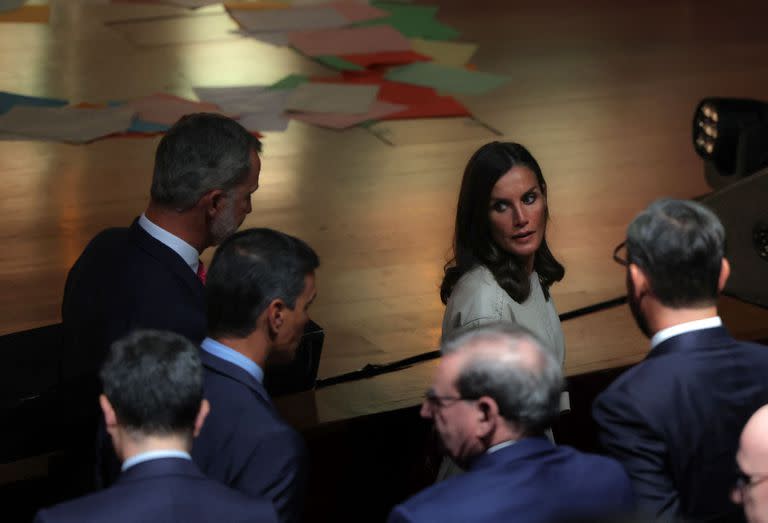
x=477, y=300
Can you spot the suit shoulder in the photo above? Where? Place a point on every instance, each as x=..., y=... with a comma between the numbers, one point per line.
x=239, y=505
x=247, y=414
x=600, y=467
x=93, y=507
x=109, y=238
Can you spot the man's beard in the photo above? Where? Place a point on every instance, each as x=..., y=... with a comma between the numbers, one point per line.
x=224, y=225
x=634, y=306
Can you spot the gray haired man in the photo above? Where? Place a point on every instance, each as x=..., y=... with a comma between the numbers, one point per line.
x=495, y=391
x=674, y=419
x=149, y=275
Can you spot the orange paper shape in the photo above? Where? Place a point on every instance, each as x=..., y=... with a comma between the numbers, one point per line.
x=32, y=14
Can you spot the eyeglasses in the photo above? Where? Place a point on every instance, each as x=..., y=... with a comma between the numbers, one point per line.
x=440, y=402
x=745, y=481
x=621, y=257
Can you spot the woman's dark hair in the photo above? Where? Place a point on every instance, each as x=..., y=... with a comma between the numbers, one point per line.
x=472, y=242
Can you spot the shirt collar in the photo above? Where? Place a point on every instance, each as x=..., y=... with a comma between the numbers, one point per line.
x=154, y=454
x=220, y=350
x=681, y=328
x=188, y=253
x=499, y=446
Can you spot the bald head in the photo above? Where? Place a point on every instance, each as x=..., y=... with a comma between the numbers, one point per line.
x=752, y=459
x=753, y=446
x=509, y=364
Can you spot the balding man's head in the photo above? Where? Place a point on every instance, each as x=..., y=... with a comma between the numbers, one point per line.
x=752, y=458
x=512, y=366
x=494, y=384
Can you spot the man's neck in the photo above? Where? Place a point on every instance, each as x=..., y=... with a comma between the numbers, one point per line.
x=184, y=224
x=253, y=347
x=133, y=446
x=666, y=317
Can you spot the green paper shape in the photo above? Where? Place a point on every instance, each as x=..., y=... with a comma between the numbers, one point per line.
x=289, y=82
x=446, y=78
x=414, y=21
x=338, y=63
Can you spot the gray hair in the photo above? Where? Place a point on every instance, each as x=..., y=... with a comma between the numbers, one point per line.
x=200, y=153
x=527, y=390
x=679, y=245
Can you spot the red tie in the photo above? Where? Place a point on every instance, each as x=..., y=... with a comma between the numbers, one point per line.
x=201, y=272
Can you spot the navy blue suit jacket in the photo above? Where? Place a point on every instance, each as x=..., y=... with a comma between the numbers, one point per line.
x=244, y=442
x=165, y=490
x=532, y=481
x=674, y=420
x=125, y=279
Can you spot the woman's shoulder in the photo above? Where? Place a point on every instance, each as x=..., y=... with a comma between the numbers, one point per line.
x=476, y=290
x=477, y=276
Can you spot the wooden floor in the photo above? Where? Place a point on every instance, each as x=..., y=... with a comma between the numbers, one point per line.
x=601, y=92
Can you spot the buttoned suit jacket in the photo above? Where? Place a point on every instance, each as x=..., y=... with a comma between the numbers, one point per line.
x=165, y=490
x=245, y=443
x=674, y=421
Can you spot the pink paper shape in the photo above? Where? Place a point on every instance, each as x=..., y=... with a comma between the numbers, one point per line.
x=378, y=110
x=351, y=40
x=167, y=109
x=358, y=12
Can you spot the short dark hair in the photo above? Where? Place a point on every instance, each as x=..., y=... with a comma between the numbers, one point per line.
x=526, y=392
x=201, y=152
x=472, y=241
x=679, y=245
x=251, y=269
x=154, y=381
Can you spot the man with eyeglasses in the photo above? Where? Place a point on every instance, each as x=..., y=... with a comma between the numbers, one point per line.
x=674, y=419
x=495, y=391
x=751, y=489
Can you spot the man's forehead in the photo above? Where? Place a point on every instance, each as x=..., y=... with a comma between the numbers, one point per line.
x=448, y=370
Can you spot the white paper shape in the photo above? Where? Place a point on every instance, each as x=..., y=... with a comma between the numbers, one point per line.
x=332, y=98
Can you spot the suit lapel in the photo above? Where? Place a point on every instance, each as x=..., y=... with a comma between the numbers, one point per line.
x=167, y=257
x=234, y=372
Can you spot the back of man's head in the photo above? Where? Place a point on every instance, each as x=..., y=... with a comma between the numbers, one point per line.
x=679, y=245
x=509, y=364
x=249, y=271
x=154, y=382
x=200, y=153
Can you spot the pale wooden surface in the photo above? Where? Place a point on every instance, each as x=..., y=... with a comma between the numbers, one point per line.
x=601, y=92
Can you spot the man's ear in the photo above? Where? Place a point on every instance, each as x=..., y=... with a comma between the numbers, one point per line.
x=275, y=316
x=725, y=272
x=640, y=283
x=205, y=409
x=110, y=418
x=488, y=416
x=212, y=202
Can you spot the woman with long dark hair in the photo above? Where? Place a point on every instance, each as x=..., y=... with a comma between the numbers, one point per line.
x=502, y=267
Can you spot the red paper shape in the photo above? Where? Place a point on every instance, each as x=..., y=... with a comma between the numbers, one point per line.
x=385, y=58
x=422, y=102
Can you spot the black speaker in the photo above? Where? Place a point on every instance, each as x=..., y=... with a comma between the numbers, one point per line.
x=743, y=209
x=300, y=374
